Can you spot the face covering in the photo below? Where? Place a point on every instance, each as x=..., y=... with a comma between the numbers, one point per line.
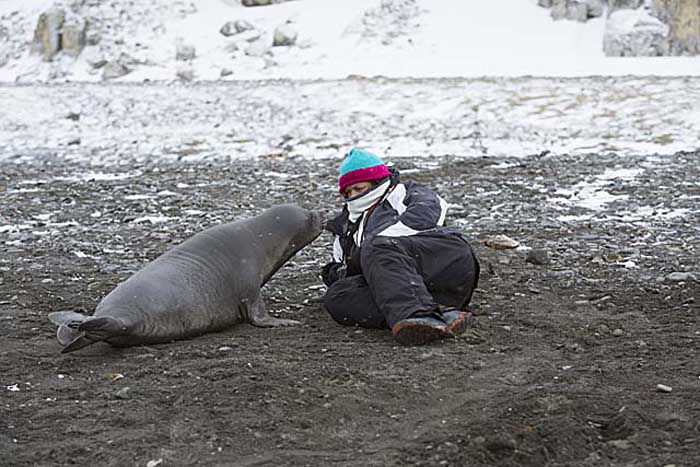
x=357, y=206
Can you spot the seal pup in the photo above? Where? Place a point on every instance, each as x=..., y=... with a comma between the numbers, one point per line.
x=207, y=283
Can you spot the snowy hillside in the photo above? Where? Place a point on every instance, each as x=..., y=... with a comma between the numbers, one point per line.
x=335, y=38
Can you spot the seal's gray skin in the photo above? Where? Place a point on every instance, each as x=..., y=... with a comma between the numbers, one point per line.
x=208, y=283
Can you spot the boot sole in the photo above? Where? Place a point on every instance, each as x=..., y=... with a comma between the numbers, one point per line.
x=419, y=334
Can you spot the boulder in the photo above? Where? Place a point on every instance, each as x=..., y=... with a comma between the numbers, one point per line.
x=47, y=35
x=575, y=10
x=285, y=35
x=185, y=74
x=596, y=8
x=114, y=69
x=635, y=33
x=242, y=25
x=73, y=36
x=236, y=27
x=228, y=29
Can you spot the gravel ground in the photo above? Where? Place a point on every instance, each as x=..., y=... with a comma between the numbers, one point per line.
x=575, y=329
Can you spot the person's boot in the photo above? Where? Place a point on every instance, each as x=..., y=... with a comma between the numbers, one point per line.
x=420, y=330
x=457, y=321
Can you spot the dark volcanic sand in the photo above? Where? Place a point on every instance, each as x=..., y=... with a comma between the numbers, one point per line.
x=562, y=370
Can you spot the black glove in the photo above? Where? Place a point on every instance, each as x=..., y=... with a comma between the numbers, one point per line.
x=333, y=271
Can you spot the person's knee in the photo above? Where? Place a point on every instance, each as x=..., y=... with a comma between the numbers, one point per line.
x=377, y=247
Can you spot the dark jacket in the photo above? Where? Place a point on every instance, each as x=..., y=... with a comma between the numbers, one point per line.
x=407, y=209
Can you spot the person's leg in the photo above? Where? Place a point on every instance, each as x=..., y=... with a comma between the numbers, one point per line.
x=391, y=271
x=350, y=303
x=448, y=266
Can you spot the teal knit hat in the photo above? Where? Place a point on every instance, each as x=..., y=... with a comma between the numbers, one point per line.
x=361, y=166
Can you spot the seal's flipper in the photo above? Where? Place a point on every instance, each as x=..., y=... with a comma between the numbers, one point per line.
x=257, y=314
x=90, y=331
x=78, y=343
x=99, y=329
x=76, y=330
x=67, y=318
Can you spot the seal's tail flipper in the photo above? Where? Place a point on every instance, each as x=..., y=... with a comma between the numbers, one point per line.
x=76, y=331
x=69, y=334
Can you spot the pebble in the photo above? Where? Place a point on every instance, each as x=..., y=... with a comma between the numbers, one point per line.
x=663, y=388
x=501, y=242
x=123, y=393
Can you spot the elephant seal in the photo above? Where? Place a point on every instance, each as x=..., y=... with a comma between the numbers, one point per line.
x=207, y=283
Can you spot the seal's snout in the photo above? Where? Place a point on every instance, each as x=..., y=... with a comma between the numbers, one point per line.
x=318, y=220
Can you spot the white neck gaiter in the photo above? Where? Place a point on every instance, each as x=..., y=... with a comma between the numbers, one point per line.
x=358, y=206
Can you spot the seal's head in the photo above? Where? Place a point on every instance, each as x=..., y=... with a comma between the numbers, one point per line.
x=359, y=172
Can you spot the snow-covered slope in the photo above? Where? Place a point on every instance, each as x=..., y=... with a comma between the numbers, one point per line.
x=337, y=38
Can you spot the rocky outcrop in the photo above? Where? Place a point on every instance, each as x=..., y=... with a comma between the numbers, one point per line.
x=683, y=18
x=56, y=31
x=635, y=33
x=47, y=35
x=73, y=36
x=638, y=27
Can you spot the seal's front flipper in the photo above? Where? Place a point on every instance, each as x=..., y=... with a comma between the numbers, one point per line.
x=257, y=315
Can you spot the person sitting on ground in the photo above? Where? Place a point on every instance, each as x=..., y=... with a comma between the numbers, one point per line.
x=394, y=263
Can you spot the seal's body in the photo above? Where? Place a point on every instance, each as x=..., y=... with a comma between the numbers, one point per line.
x=208, y=283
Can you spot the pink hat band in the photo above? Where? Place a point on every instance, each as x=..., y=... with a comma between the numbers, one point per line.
x=363, y=175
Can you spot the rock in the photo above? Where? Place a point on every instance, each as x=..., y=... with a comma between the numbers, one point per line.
x=256, y=2
x=225, y=72
x=114, y=69
x=618, y=332
x=47, y=35
x=537, y=256
x=635, y=33
x=185, y=52
x=236, y=27
x=185, y=74
x=596, y=8
x=681, y=277
x=545, y=3
x=73, y=36
x=228, y=29
x=242, y=25
x=664, y=388
x=501, y=242
x=285, y=35
x=575, y=10
x=123, y=393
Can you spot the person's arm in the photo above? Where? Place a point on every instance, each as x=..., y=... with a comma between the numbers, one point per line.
x=419, y=208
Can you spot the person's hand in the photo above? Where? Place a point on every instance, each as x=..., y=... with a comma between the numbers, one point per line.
x=332, y=272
